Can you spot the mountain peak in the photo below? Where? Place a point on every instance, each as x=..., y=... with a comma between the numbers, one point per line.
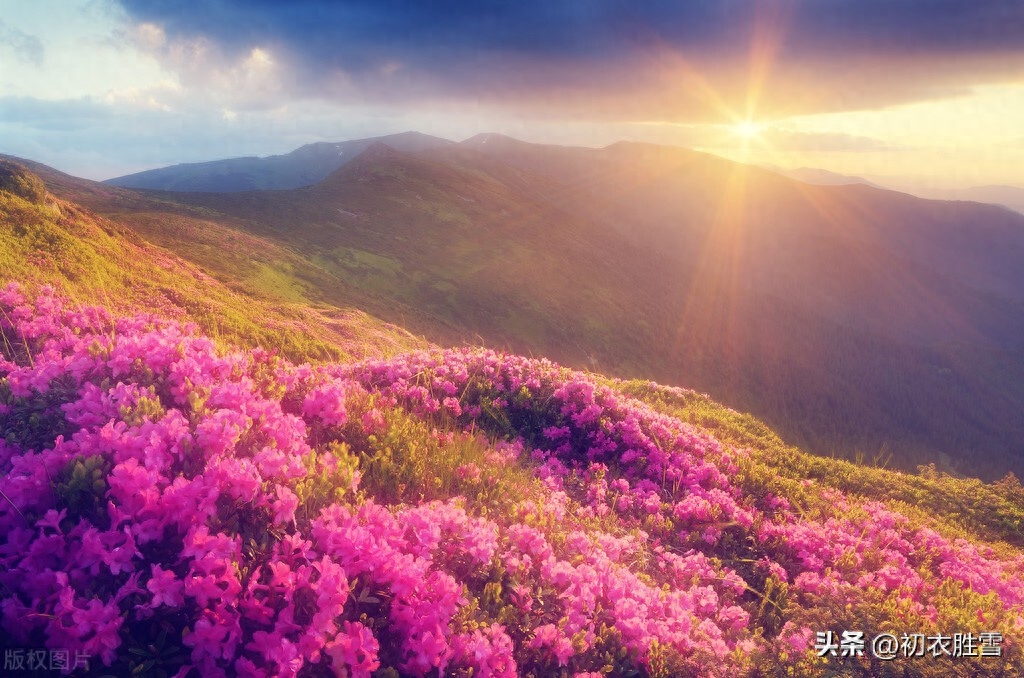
x=379, y=149
x=493, y=139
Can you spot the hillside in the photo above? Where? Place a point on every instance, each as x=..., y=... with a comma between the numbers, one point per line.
x=45, y=240
x=175, y=509
x=1011, y=197
x=176, y=505
x=820, y=177
x=855, y=321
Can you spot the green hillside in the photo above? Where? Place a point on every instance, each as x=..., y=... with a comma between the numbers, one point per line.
x=855, y=321
x=46, y=240
x=176, y=505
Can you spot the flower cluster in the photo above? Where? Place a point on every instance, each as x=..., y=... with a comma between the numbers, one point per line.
x=150, y=482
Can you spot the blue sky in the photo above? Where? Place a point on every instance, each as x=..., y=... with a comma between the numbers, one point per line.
x=933, y=89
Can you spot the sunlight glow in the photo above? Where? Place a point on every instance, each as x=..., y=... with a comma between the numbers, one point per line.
x=747, y=129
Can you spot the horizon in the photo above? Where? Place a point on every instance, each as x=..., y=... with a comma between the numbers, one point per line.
x=105, y=88
x=901, y=184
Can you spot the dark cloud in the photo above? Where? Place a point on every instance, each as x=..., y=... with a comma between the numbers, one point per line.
x=660, y=55
x=330, y=30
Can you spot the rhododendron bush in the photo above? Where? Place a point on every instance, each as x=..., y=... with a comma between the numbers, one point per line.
x=167, y=506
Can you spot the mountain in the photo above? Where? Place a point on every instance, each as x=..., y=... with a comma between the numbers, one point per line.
x=1011, y=197
x=179, y=498
x=1007, y=196
x=302, y=167
x=820, y=177
x=855, y=321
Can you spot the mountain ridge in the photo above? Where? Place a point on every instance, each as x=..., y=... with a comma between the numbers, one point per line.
x=303, y=166
x=903, y=318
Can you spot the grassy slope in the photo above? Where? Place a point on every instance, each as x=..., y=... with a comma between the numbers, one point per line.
x=225, y=248
x=52, y=241
x=463, y=246
x=627, y=261
x=958, y=506
x=459, y=246
x=94, y=259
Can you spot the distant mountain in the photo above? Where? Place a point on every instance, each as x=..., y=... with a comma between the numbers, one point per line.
x=302, y=167
x=852, y=319
x=820, y=177
x=1011, y=197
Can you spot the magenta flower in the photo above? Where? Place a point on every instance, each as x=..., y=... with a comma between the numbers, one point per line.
x=165, y=587
x=354, y=649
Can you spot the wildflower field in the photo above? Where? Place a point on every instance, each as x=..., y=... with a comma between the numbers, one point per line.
x=171, y=507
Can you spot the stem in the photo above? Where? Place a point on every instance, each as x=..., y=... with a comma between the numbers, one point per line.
x=15, y=506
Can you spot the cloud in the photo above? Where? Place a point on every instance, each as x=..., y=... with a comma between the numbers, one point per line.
x=699, y=60
x=99, y=138
x=26, y=48
x=770, y=139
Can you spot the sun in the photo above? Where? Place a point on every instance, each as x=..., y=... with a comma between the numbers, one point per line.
x=748, y=129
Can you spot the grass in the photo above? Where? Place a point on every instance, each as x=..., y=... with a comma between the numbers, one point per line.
x=91, y=259
x=462, y=253
x=959, y=506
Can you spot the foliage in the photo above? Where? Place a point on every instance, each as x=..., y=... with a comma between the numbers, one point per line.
x=18, y=181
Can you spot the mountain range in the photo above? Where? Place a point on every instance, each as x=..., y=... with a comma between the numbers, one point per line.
x=312, y=163
x=302, y=167
x=1011, y=197
x=856, y=321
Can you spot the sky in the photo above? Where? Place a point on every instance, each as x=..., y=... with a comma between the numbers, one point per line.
x=928, y=91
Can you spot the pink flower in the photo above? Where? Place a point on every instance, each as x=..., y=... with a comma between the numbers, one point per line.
x=121, y=551
x=165, y=587
x=469, y=472
x=284, y=506
x=355, y=649
x=98, y=626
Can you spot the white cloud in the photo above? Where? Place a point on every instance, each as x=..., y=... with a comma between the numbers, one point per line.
x=20, y=45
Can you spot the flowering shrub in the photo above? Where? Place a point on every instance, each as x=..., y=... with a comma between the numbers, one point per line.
x=171, y=508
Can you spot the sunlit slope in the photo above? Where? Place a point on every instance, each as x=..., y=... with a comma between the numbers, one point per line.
x=46, y=240
x=914, y=269
x=853, y=320
x=226, y=248
x=458, y=248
